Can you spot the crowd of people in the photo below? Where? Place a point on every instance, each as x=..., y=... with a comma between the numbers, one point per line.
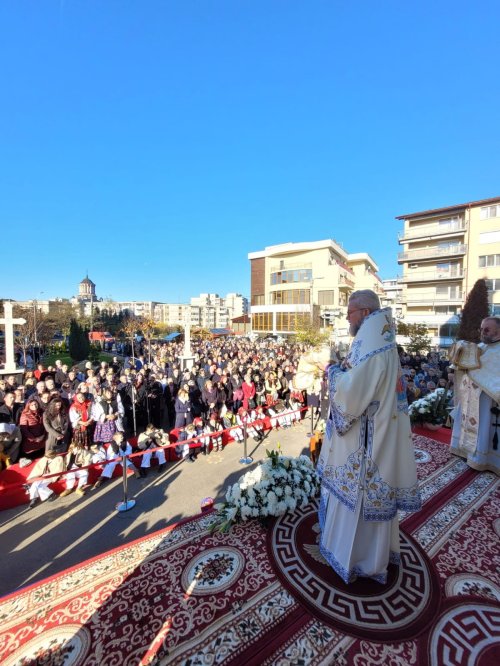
x=425, y=373
x=90, y=414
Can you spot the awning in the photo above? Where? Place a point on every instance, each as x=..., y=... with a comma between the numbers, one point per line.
x=171, y=336
x=221, y=331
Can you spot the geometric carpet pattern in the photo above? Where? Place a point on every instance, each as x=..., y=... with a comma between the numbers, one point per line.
x=401, y=608
x=185, y=596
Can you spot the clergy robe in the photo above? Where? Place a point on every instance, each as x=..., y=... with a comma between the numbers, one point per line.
x=474, y=425
x=367, y=463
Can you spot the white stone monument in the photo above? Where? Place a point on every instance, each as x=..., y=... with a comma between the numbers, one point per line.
x=187, y=358
x=9, y=322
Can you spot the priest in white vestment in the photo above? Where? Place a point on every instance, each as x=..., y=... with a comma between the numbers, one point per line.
x=367, y=463
x=476, y=425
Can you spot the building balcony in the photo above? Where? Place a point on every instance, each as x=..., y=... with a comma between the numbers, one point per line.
x=433, y=276
x=433, y=231
x=431, y=319
x=345, y=283
x=436, y=251
x=431, y=299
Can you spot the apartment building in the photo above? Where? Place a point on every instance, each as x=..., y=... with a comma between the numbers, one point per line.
x=445, y=250
x=294, y=283
x=393, y=295
x=205, y=310
x=171, y=314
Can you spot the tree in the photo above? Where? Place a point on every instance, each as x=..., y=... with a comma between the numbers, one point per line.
x=79, y=344
x=418, y=337
x=476, y=308
x=308, y=332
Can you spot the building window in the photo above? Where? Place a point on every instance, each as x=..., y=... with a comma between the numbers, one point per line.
x=493, y=285
x=286, y=277
x=262, y=321
x=291, y=296
x=490, y=211
x=326, y=297
x=446, y=309
x=258, y=299
x=449, y=222
x=489, y=260
x=288, y=321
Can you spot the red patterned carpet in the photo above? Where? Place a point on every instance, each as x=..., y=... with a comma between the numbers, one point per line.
x=184, y=596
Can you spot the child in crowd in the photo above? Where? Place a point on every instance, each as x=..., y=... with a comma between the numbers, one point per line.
x=77, y=457
x=51, y=463
x=118, y=447
x=243, y=419
x=148, y=441
x=187, y=450
x=279, y=415
x=214, y=428
x=230, y=423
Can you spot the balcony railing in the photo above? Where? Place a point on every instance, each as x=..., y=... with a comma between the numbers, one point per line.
x=432, y=231
x=345, y=282
x=430, y=299
x=431, y=252
x=433, y=276
x=289, y=265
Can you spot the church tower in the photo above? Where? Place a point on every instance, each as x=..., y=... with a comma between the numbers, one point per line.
x=86, y=290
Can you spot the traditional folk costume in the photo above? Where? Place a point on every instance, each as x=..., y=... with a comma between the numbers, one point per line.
x=106, y=427
x=149, y=442
x=476, y=429
x=76, y=459
x=367, y=464
x=214, y=429
x=80, y=412
x=49, y=464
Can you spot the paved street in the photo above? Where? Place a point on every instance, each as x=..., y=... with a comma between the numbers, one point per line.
x=53, y=536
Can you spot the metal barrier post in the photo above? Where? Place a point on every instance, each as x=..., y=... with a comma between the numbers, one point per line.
x=246, y=460
x=126, y=504
x=310, y=434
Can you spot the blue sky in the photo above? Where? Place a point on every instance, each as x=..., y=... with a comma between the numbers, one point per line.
x=156, y=143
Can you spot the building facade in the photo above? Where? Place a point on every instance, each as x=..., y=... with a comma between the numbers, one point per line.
x=393, y=295
x=445, y=251
x=296, y=283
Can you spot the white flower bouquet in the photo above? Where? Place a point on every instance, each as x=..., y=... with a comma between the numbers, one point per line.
x=432, y=408
x=279, y=484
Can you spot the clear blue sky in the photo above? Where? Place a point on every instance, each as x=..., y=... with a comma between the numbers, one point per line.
x=155, y=143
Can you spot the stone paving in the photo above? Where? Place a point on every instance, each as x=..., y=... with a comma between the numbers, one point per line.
x=43, y=541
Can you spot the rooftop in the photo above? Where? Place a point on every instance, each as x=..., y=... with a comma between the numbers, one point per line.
x=450, y=209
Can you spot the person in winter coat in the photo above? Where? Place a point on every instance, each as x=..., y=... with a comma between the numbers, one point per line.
x=57, y=424
x=32, y=430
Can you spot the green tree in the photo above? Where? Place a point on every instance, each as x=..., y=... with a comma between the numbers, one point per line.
x=309, y=333
x=418, y=337
x=79, y=344
x=476, y=308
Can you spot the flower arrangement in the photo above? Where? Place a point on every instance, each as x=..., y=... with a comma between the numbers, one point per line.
x=279, y=484
x=433, y=408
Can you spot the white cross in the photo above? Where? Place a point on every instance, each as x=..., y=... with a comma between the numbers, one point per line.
x=9, y=322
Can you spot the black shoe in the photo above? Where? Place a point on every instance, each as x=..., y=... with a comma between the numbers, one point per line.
x=161, y=468
x=33, y=503
x=52, y=497
x=143, y=472
x=204, y=452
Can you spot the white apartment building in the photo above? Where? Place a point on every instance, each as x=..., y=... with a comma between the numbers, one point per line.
x=295, y=282
x=445, y=251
